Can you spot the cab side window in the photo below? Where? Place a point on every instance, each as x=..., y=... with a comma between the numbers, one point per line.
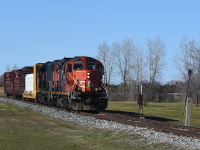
x=99, y=67
x=69, y=68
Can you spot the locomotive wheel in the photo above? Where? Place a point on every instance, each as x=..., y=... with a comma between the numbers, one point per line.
x=36, y=100
x=49, y=104
x=13, y=96
x=39, y=100
x=69, y=109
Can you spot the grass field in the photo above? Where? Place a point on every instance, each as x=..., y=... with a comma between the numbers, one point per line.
x=168, y=112
x=23, y=129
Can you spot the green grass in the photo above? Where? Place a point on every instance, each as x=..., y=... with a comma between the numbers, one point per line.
x=168, y=112
x=22, y=129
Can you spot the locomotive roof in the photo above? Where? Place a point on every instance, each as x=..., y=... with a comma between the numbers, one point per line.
x=62, y=61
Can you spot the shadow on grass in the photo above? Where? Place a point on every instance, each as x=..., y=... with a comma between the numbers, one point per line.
x=133, y=114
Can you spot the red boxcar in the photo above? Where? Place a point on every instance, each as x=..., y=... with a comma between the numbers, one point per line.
x=14, y=82
x=8, y=83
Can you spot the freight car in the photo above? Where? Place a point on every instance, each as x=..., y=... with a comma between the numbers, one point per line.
x=14, y=81
x=73, y=83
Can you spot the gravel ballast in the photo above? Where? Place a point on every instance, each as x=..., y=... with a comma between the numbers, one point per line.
x=149, y=135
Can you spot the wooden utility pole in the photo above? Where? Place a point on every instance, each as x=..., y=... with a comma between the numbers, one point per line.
x=188, y=112
x=189, y=73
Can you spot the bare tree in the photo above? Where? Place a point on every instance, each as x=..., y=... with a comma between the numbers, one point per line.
x=155, y=56
x=182, y=59
x=111, y=62
x=195, y=54
x=188, y=58
x=15, y=67
x=2, y=80
x=8, y=69
x=125, y=52
x=107, y=56
x=139, y=67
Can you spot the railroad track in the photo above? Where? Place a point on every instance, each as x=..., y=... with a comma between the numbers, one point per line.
x=151, y=124
x=155, y=125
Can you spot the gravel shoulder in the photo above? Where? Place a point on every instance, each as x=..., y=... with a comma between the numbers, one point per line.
x=149, y=135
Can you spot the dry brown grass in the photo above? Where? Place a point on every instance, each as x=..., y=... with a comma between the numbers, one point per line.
x=1, y=90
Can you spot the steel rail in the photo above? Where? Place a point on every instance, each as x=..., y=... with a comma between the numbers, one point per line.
x=145, y=125
x=154, y=122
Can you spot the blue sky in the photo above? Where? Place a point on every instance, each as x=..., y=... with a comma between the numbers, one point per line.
x=44, y=30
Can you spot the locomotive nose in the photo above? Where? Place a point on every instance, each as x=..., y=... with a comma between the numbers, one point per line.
x=87, y=80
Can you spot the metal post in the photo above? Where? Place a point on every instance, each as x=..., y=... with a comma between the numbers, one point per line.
x=141, y=115
x=85, y=85
x=141, y=102
x=189, y=73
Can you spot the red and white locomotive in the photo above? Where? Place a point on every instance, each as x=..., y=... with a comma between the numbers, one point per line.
x=72, y=83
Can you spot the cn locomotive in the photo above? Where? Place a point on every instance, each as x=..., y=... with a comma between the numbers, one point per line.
x=72, y=83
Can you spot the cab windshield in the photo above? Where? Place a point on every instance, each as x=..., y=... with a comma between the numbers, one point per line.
x=90, y=67
x=78, y=67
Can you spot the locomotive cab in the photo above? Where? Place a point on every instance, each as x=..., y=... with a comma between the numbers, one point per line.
x=83, y=82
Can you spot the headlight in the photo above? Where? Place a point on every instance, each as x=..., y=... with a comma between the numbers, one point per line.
x=100, y=88
x=88, y=77
x=88, y=73
x=79, y=88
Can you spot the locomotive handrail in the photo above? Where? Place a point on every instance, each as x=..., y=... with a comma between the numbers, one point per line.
x=74, y=82
x=104, y=88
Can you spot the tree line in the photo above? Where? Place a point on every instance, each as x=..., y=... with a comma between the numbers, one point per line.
x=128, y=65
